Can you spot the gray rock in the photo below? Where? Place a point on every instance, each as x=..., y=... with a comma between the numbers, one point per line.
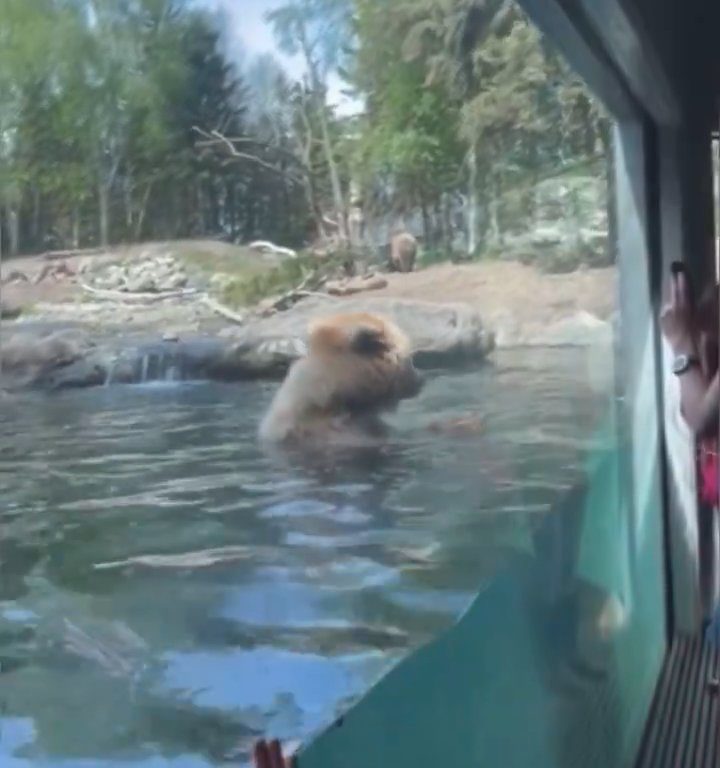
x=581, y=329
x=441, y=335
x=33, y=358
x=89, y=371
x=141, y=283
x=174, y=282
x=147, y=273
x=547, y=236
x=10, y=311
x=559, y=224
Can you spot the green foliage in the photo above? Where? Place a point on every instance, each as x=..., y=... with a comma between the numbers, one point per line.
x=316, y=29
x=429, y=257
x=306, y=268
x=451, y=80
x=99, y=102
x=409, y=141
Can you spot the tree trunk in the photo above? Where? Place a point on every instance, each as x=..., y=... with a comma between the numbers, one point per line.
x=318, y=90
x=76, y=228
x=232, y=205
x=495, y=233
x=129, y=212
x=447, y=228
x=1, y=259
x=35, y=224
x=438, y=234
x=472, y=202
x=337, y=193
x=141, y=213
x=199, y=210
x=104, y=214
x=13, y=224
x=287, y=208
x=427, y=227
x=305, y=142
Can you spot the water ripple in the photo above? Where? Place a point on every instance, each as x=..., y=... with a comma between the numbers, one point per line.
x=259, y=594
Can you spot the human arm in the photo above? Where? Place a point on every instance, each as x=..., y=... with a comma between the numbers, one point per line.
x=700, y=402
x=699, y=394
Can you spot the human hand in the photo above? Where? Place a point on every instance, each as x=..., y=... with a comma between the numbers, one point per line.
x=676, y=319
x=269, y=755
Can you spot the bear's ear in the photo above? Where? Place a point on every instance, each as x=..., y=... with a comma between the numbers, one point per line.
x=368, y=341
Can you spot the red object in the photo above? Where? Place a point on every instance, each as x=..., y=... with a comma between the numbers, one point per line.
x=709, y=473
x=269, y=755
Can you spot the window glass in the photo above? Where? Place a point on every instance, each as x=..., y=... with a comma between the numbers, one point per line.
x=183, y=186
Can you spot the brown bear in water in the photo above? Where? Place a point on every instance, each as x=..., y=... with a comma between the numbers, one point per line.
x=357, y=366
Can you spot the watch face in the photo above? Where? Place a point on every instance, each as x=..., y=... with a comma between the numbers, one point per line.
x=682, y=363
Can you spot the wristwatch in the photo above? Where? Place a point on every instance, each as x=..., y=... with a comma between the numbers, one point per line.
x=683, y=363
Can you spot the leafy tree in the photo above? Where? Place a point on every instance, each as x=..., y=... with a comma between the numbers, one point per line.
x=522, y=113
x=100, y=102
x=410, y=150
x=318, y=30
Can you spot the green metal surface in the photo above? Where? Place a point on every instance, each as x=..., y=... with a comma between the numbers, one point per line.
x=554, y=665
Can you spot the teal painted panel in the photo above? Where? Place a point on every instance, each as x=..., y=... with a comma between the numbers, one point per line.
x=554, y=664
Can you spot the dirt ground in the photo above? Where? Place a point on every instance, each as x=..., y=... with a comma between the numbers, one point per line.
x=496, y=289
x=213, y=254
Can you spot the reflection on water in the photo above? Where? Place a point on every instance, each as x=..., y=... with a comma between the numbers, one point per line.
x=167, y=592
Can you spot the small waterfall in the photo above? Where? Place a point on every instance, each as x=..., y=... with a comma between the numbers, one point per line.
x=144, y=369
x=109, y=377
x=173, y=372
x=148, y=365
x=166, y=362
x=160, y=365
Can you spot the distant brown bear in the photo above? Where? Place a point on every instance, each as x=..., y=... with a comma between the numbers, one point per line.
x=357, y=366
x=403, y=251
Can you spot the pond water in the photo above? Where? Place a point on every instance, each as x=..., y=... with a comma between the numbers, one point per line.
x=168, y=591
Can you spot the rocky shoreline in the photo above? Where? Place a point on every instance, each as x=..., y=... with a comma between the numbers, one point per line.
x=454, y=316
x=48, y=356
x=52, y=356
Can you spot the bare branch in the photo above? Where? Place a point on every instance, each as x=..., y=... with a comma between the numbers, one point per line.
x=150, y=298
x=264, y=144
x=215, y=139
x=223, y=311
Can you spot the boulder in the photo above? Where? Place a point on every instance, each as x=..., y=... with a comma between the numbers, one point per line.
x=440, y=334
x=145, y=274
x=576, y=329
x=175, y=281
x=581, y=329
x=10, y=311
x=33, y=358
x=14, y=276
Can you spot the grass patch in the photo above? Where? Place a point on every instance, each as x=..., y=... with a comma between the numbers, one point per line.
x=240, y=262
x=429, y=257
x=250, y=289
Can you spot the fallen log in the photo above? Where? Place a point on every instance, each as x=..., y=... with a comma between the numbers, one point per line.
x=126, y=296
x=354, y=286
x=14, y=277
x=266, y=245
x=222, y=310
x=289, y=298
x=69, y=253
